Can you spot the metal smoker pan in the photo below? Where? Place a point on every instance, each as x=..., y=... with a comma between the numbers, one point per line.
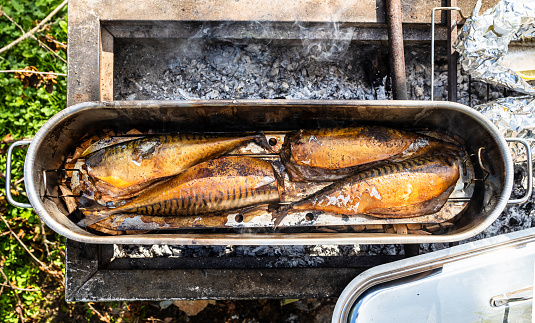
x=60, y=135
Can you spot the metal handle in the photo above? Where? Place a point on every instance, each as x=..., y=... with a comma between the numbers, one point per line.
x=8, y=174
x=530, y=171
x=516, y=296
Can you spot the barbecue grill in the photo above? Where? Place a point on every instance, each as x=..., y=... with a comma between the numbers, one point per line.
x=96, y=33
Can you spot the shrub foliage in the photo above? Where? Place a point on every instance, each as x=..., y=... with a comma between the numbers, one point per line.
x=32, y=279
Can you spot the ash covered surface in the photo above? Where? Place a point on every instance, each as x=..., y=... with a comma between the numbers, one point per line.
x=195, y=69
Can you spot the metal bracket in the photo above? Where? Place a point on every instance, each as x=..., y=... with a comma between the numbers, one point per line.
x=56, y=171
x=433, y=44
x=530, y=171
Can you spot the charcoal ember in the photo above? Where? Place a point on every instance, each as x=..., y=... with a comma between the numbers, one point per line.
x=515, y=221
x=389, y=250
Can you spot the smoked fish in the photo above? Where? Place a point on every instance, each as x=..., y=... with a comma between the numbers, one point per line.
x=331, y=154
x=413, y=187
x=218, y=185
x=128, y=167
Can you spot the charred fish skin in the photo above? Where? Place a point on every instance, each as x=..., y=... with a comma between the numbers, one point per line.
x=125, y=165
x=413, y=187
x=332, y=154
x=218, y=185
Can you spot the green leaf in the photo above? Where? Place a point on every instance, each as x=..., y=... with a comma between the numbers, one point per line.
x=17, y=5
x=63, y=25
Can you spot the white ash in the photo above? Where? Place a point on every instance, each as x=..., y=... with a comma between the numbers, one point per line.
x=193, y=69
x=226, y=71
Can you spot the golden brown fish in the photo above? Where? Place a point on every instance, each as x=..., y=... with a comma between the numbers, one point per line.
x=217, y=185
x=128, y=167
x=413, y=187
x=332, y=154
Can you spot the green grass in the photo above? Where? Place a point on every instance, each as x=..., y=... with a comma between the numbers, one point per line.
x=24, y=108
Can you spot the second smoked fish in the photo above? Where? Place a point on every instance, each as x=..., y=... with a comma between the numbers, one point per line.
x=217, y=185
x=413, y=187
x=331, y=154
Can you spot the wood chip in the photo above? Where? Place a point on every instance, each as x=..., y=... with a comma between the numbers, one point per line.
x=359, y=227
x=88, y=142
x=192, y=308
x=390, y=230
x=400, y=228
x=109, y=132
x=326, y=230
x=77, y=153
x=134, y=132
x=374, y=227
x=447, y=224
x=433, y=227
x=69, y=166
x=69, y=201
x=136, y=231
x=102, y=229
x=420, y=232
x=414, y=226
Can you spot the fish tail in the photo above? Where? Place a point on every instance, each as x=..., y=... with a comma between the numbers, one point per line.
x=93, y=214
x=279, y=214
x=261, y=140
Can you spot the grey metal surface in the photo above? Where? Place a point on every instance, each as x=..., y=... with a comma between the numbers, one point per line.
x=62, y=133
x=433, y=47
x=92, y=274
x=489, y=280
x=451, y=24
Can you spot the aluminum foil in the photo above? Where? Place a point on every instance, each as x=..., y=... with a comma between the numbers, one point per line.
x=484, y=40
x=514, y=117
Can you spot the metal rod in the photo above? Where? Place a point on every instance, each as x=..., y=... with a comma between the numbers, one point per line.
x=60, y=196
x=397, y=55
x=470, y=91
x=45, y=171
x=451, y=199
x=433, y=44
x=480, y=159
x=505, y=299
x=452, y=54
